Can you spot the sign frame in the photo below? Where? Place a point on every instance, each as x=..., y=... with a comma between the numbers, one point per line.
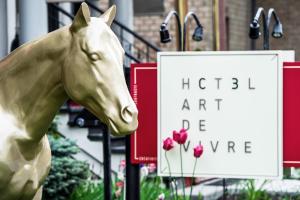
x=137, y=139
x=280, y=56
x=291, y=158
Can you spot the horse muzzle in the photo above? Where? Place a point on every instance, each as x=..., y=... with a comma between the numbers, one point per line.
x=128, y=122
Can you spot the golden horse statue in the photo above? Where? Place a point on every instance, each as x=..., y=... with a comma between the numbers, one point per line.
x=83, y=61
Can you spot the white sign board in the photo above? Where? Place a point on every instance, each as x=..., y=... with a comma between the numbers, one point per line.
x=231, y=103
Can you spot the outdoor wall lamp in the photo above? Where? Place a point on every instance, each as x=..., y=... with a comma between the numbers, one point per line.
x=277, y=29
x=254, y=31
x=198, y=32
x=164, y=33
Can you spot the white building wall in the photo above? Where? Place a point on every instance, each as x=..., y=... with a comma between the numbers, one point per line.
x=62, y=17
x=33, y=19
x=125, y=16
x=11, y=22
x=3, y=28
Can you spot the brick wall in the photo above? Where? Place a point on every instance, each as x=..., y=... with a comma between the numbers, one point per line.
x=288, y=12
x=238, y=18
x=238, y=15
x=148, y=26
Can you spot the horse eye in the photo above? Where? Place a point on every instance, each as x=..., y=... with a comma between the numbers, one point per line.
x=95, y=56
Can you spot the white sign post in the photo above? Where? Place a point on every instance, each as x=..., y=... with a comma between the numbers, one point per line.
x=231, y=103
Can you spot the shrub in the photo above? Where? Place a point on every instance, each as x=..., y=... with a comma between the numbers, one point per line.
x=151, y=188
x=94, y=190
x=89, y=190
x=66, y=173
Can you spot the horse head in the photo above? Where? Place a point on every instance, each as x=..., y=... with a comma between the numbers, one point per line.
x=93, y=72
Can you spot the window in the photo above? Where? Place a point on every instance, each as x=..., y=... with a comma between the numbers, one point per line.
x=146, y=7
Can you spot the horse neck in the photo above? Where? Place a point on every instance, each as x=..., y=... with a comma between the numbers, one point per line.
x=30, y=82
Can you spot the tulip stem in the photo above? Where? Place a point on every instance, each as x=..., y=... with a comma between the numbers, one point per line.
x=170, y=176
x=176, y=189
x=183, y=185
x=193, y=178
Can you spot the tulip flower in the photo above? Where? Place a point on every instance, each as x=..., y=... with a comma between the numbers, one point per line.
x=198, y=150
x=180, y=137
x=120, y=184
x=122, y=164
x=168, y=144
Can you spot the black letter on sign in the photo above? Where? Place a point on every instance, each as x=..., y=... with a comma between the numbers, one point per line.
x=218, y=102
x=186, y=148
x=248, y=147
x=202, y=125
x=235, y=83
x=200, y=85
x=185, y=105
x=214, y=148
x=250, y=87
x=231, y=146
x=186, y=124
x=187, y=83
x=218, y=82
x=202, y=103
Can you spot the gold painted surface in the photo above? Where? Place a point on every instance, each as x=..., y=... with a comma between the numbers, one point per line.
x=182, y=9
x=216, y=13
x=82, y=61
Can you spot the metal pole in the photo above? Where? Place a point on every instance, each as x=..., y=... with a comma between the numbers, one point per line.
x=181, y=8
x=132, y=175
x=107, y=165
x=253, y=9
x=266, y=34
x=222, y=26
x=216, y=25
x=224, y=189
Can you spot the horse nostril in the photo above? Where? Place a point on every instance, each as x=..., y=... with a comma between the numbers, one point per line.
x=127, y=114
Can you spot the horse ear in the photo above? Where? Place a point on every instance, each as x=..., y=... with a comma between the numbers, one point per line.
x=82, y=17
x=109, y=15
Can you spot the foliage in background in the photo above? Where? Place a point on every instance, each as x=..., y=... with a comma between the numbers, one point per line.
x=151, y=188
x=66, y=173
x=93, y=190
x=89, y=190
x=52, y=130
x=252, y=193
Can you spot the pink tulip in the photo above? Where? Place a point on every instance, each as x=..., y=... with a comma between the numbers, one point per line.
x=120, y=184
x=198, y=150
x=168, y=144
x=180, y=137
x=122, y=164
